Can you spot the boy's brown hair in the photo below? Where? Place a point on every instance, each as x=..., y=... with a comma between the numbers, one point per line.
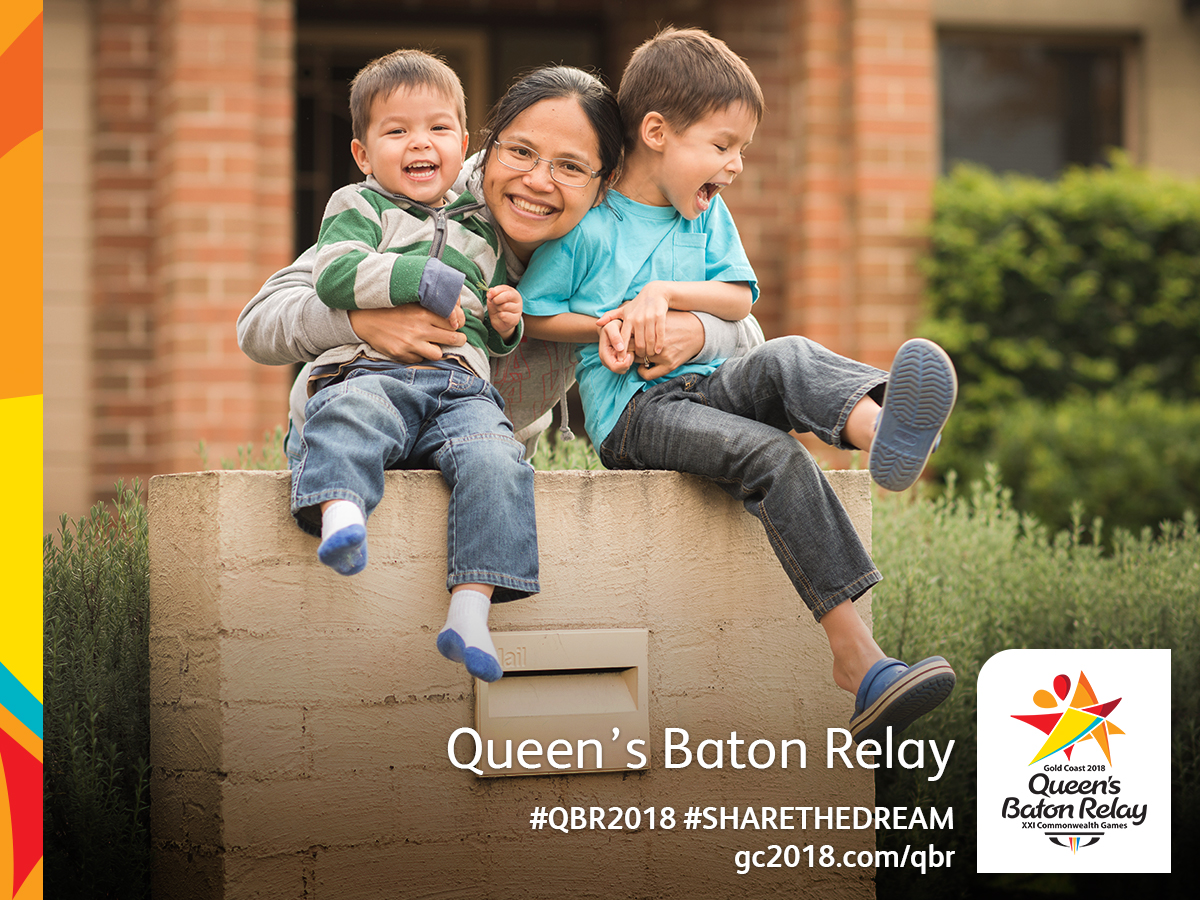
x=684, y=74
x=402, y=69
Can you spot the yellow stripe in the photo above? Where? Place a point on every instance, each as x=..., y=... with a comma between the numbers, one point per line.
x=21, y=540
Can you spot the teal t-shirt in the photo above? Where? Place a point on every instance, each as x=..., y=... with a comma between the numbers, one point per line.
x=618, y=248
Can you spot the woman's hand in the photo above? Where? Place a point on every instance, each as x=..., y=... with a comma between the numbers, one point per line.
x=643, y=319
x=410, y=333
x=683, y=340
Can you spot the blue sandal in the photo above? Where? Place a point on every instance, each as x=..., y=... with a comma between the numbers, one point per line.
x=896, y=694
x=921, y=390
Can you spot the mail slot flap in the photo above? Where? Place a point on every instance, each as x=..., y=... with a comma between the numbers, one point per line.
x=588, y=688
x=588, y=648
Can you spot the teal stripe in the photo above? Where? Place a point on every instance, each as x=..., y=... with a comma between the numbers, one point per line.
x=15, y=697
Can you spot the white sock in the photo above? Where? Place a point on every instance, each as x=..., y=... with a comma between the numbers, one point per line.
x=343, y=538
x=338, y=515
x=465, y=637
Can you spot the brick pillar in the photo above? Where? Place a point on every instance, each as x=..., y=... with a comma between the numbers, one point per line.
x=895, y=166
x=862, y=120
x=223, y=193
x=123, y=234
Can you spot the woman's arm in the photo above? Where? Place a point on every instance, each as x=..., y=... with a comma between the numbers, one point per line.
x=286, y=322
x=725, y=340
x=698, y=337
x=644, y=318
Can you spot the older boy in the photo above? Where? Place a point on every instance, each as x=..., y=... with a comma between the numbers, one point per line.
x=402, y=237
x=664, y=240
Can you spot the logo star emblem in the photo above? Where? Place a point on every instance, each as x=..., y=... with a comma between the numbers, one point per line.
x=1085, y=718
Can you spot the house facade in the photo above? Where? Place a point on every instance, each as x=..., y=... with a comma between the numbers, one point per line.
x=190, y=145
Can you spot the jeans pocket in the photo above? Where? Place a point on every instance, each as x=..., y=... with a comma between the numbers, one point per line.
x=465, y=384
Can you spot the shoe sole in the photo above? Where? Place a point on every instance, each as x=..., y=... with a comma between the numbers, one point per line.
x=920, y=394
x=918, y=691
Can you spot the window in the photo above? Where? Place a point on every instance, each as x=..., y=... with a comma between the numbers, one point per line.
x=1032, y=104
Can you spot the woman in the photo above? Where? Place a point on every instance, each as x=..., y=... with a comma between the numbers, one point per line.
x=558, y=113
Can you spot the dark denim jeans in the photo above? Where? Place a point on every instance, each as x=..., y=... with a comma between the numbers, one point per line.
x=732, y=427
x=411, y=418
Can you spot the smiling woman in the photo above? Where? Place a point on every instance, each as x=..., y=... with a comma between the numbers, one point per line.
x=559, y=114
x=411, y=247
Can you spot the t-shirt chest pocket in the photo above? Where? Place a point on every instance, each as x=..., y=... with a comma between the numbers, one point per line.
x=688, y=257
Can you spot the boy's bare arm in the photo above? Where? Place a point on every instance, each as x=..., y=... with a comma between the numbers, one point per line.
x=571, y=328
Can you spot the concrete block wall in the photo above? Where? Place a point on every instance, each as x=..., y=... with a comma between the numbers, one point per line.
x=300, y=719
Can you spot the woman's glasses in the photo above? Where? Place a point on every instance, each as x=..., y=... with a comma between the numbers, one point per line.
x=567, y=172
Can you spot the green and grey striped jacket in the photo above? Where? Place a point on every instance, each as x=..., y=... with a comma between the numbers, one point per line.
x=378, y=249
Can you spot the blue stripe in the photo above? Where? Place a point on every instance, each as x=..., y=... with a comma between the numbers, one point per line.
x=15, y=697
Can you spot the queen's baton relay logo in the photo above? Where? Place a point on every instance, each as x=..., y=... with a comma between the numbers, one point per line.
x=1074, y=749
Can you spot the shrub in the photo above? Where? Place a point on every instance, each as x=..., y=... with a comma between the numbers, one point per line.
x=271, y=455
x=554, y=453
x=969, y=576
x=1052, y=293
x=1044, y=289
x=97, y=703
x=1132, y=461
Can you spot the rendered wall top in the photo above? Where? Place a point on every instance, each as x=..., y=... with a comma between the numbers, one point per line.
x=300, y=719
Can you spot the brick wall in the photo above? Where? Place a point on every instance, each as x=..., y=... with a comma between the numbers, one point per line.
x=192, y=206
x=192, y=202
x=124, y=222
x=223, y=172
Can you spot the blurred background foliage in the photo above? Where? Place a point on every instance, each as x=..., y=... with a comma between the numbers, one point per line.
x=1071, y=310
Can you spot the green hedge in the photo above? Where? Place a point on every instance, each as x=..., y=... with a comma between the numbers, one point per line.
x=1041, y=289
x=1065, y=305
x=1132, y=461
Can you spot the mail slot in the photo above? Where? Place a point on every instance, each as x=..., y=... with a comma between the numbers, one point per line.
x=581, y=693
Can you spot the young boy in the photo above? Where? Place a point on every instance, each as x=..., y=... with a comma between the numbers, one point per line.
x=401, y=236
x=663, y=239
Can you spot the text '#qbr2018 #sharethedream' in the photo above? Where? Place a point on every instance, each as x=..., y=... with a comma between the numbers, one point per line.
x=771, y=818
x=466, y=750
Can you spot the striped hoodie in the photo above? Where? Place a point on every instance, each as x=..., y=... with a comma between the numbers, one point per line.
x=377, y=249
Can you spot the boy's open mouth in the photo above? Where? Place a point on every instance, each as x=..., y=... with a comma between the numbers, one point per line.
x=421, y=170
x=706, y=193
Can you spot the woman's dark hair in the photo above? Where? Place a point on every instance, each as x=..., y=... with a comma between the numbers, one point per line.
x=599, y=104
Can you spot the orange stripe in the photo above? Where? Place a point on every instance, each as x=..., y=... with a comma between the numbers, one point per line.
x=21, y=67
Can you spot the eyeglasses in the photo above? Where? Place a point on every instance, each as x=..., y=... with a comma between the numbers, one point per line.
x=567, y=172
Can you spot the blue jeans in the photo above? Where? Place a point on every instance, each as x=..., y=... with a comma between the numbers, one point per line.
x=732, y=427
x=412, y=418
